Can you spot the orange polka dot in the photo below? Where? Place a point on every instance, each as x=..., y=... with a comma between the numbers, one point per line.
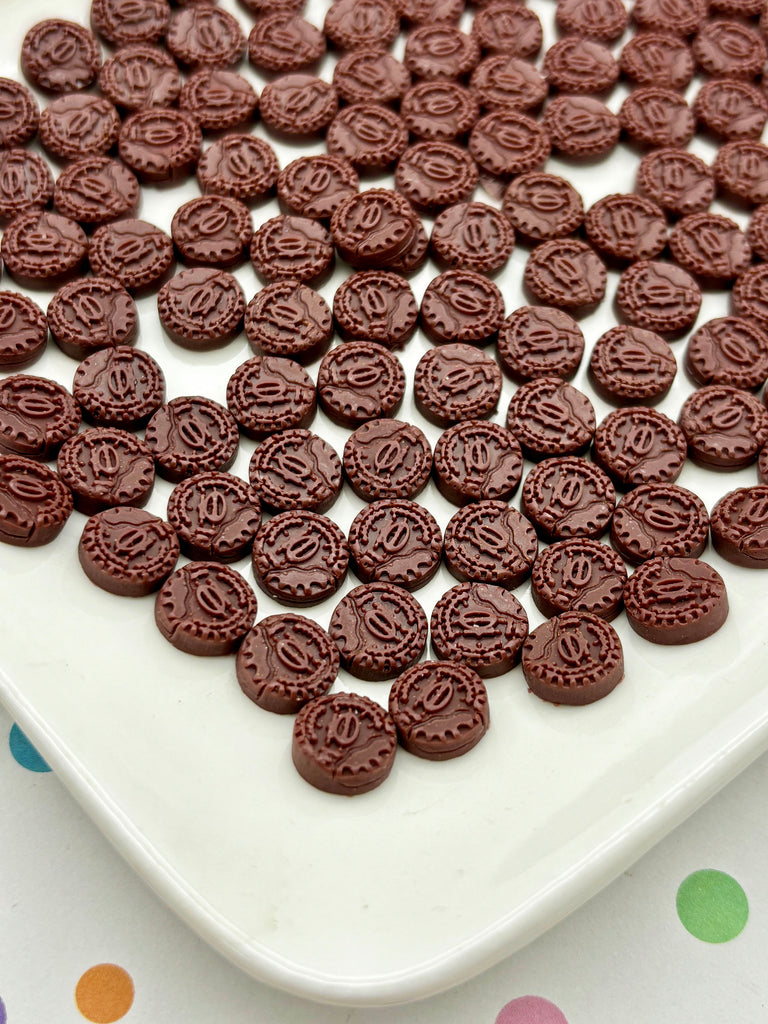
x=104, y=993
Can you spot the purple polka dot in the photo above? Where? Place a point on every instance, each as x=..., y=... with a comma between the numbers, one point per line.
x=531, y=1010
x=2, y=1012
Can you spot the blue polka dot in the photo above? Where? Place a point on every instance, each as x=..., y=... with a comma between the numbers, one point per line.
x=28, y=758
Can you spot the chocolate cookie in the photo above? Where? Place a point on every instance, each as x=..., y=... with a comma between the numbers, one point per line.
x=19, y=114
x=300, y=557
x=285, y=662
x=578, y=65
x=679, y=181
x=550, y=417
x=294, y=470
x=729, y=350
x=651, y=116
x=92, y=313
x=397, y=542
x=507, y=27
x=127, y=551
x=506, y=143
x=201, y=308
x=503, y=82
x=139, y=76
x=639, y=446
x=657, y=58
x=538, y=341
x=294, y=247
x=78, y=125
x=96, y=190
x=711, y=246
x=456, y=382
x=581, y=126
x=34, y=503
x=473, y=236
x=738, y=525
x=626, y=227
x=288, y=318
x=439, y=109
x=60, y=56
x=724, y=426
x=462, y=306
x=659, y=520
x=387, y=458
x=573, y=658
x=25, y=182
x=477, y=461
x=379, y=629
x=595, y=19
x=377, y=306
x=658, y=297
x=191, y=435
x=579, y=575
x=215, y=515
x=136, y=253
x=435, y=174
x=298, y=104
x=360, y=381
x=681, y=17
x=490, y=542
x=313, y=186
x=160, y=144
x=204, y=35
x=479, y=625
x=23, y=331
x=568, y=497
x=241, y=166
x=119, y=387
x=440, y=709
x=205, y=608
x=139, y=21
x=212, y=231
x=675, y=600
x=284, y=41
x=369, y=75
x=565, y=273
x=105, y=467
x=36, y=416
x=440, y=51
x=372, y=228
x=543, y=206
x=741, y=171
x=43, y=249
x=219, y=100
x=630, y=366
x=267, y=393
x=344, y=743
x=370, y=136
x=352, y=24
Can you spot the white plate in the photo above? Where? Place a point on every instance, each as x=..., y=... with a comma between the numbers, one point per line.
x=448, y=867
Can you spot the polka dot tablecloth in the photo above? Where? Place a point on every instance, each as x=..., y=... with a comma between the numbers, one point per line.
x=680, y=937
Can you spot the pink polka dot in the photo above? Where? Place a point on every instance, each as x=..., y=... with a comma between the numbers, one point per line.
x=531, y=1010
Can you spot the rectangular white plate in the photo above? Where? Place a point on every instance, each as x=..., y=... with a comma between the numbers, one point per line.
x=447, y=867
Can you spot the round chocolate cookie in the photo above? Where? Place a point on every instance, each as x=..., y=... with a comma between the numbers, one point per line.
x=503, y=82
x=300, y=557
x=659, y=520
x=375, y=305
x=241, y=166
x=370, y=136
x=298, y=104
x=267, y=393
x=741, y=171
x=579, y=575
x=284, y=41
x=626, y=227
x=539, y=341
x=440, y=50
x=373, y=228
x=435, y=174
x=119, y=387
x=477, y=461
x=379, y=629
x=729, y=109
x=219, y=100
x=293, y=247
x=191, y=435
x=344, y=743
x=543, y=206
x=96, y=190
x=43, y=249
x=730, y=48
x=681, y=17
x=212, y=231
x=578, y=65
x=439, y=109
x=368, y=75
x=440, y=709
x=595, y=19
x=160, y=144
x=729, y=350
x=397, y=542
x=657, y=58
x=473, y=236
x=313, y=186
x=128, y=551
x=581, y=126
x=23, y=331
x=568, y=497
x=456, y=382
x=574, y=658
x=204, y=35
x=19, y=114
x=462, y=306
x=711, y=246
x=37, y=416
x=550, y=417
x=34, y=503
x=285, y=661
x=60, y=56
x=479, y=625
x=678, y=181
x=725, y=427
x=360, y=381
x=490, y=542
x=290, y=319
x=675, y=600
x=105, y=467
x=506, y=143
x=507, y=27
x=137, y=254
x=651, y=116
x=352, y=24
x=138, y=21
x=92, y=313
x=387, y=458
x=138, y=75
x=738, y=525
x=78, y=125
x=630, y=366
x=205, y=608
x=216, y=516
x=201, y=308
x=565, y=273
x=639, y=446
x=296, y=470
x=25, y=182
x=658, y=297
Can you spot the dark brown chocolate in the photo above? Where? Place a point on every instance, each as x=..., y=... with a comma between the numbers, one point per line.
x=267, y=393
x=288, y=318
x=439, y=109
x=440, y=50
x=19, y=114
x=639, y=446
x=741, y=171
x=387, y=458
x=192, y=434
x=473, y=236
x=503, y=82
x=37, y=416
x=729, y=350
x=573, y=658
x=543, y=206
x=476, y=461
x=565, y=273
x=119, y=387
x=711, y=246
x=219, y=100
x=568, y=497
x=136, y=253
x=462, y=306
x=631, y=366
x=435, y=174
x=658, y=297
x=92, y=313
x=34, y=503
x=353, y=24
x=456, y=382
x=370, y=136
x=659, y=520
x=395, y=541
x=294, y=470
x=23, y=331
x=595, y=19
x=25, y=182
x=377, y=306
x=78, y=125
x=581, y=126
x=626, y=227
x=105, y=467
x=507, y=143
x=370, y=75
x=138, y=76
x=539, y=341
x=60, y=56
x=725, y=427
x=360, y=381
x=201, y=308
x=298, y=104
x=212, y=231
x=241, y=166
x=479, y=625
x=137, y=21
x=490, y=542
x=294, y=247
x=313, y=186
x=160, y=144
x=579, y=575
x=675, y=600
x=738, y=525
x=127, y=551
x=550, y=417
x=657, y=58
x=507, y=27
x=372, y=228
x=300, y=557
x=204, y=35
x=96, y=190
x=40, y=249
x=679, y=181
x=283, y=41
x=651, y=116
x=215, y=515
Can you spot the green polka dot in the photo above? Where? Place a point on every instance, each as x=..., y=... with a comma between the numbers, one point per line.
x=712, y=906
